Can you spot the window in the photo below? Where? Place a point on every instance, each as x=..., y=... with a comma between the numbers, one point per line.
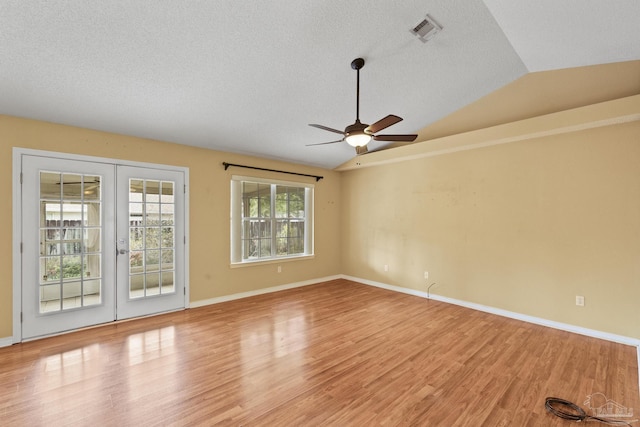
x=270, y=219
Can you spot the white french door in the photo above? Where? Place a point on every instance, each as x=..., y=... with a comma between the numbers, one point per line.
x=150, y=241
x=100, y=242
x=68, y=215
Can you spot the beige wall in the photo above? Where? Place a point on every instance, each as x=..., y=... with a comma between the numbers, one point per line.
x=524, y=226
x=210, y=274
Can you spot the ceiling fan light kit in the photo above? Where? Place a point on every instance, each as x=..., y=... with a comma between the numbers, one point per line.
x=356, y=135
x=359, y=134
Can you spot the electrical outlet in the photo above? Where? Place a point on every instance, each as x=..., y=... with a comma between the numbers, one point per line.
x=279, y=269
x=386, y=267
x=426, y=275
x=580, y=300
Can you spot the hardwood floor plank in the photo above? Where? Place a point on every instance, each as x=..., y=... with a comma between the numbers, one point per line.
x=336, y=353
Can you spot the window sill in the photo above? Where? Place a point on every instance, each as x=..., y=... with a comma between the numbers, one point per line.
x=270, y=261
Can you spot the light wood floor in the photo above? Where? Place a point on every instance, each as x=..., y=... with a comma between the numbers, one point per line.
x=336, y=353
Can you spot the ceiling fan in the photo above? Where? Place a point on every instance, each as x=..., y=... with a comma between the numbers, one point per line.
x=359, y=134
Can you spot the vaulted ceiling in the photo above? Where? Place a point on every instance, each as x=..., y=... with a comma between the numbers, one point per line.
x=248, y=77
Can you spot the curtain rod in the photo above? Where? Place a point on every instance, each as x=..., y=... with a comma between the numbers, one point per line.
x=226, y=166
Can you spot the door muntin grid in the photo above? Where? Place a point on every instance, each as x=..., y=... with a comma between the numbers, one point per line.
x=151, y=238
x=70, y=255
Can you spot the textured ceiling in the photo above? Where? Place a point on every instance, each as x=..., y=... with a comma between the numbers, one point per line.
x=248, y=77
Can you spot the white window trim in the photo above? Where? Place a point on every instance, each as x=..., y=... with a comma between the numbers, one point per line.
x=236, y=221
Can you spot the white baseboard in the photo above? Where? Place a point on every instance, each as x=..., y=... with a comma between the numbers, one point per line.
x=6, y=341
x=487, y=309
x=241, y=295
x=505, y=313
x=621, y=339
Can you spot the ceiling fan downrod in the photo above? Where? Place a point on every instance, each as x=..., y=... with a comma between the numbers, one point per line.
x=357, y=64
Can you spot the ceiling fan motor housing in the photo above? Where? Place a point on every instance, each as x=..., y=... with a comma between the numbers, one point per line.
x=356, y=128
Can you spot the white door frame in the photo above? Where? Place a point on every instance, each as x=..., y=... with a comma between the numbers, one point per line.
x=17, y=219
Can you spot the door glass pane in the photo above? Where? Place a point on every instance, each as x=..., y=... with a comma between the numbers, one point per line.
x=136, y=190
x=50, y=269
x=136, y=237
x=91, y=189
x=91, y=215
x=50, y=298
x=167, y=237
x=92, y=239
x=166, y=212
x=71, y=186
x=71, y=295
x=50, y=186
x=151, y=237
x=152, y=259
x=135, y=261
x=92, y=268
x=91, y=293
x=70, y=228
x=152, y=191
x=152, y=214
x=136, y=285
x=167, y=259
x=50, y=249
x=167, y=282
x=167, y=192
x=152, y=284
x=71, y=267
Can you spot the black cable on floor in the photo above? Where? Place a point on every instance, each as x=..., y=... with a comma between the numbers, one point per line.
x=570, y=411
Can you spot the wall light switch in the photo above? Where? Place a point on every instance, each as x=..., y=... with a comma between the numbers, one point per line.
x=580, y=300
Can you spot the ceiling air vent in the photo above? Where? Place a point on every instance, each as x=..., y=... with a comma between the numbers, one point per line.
x=426, y=29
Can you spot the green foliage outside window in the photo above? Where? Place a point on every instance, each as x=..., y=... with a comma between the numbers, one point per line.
x=272, y=227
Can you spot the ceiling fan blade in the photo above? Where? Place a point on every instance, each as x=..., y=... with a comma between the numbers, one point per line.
x=362, y=149
x=405, y=138
x=324, y=143
x=327, y=128
x=383, y=123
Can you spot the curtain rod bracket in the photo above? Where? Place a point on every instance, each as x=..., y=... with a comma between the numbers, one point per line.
x=227, y=165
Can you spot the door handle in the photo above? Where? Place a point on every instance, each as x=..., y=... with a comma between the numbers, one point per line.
x=121, y=247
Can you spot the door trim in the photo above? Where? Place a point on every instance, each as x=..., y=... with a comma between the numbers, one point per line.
x=18, y=152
